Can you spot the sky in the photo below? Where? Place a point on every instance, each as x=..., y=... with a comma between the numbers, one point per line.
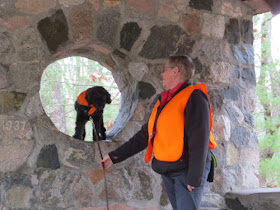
x=275, y=37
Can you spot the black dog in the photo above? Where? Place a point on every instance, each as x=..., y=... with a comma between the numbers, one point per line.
x=90, y=103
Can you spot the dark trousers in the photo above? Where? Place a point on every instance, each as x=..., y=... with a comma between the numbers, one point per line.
x=178, y=194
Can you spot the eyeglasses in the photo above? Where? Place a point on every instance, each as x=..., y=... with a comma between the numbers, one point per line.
x=162, y=68
x=168, y=67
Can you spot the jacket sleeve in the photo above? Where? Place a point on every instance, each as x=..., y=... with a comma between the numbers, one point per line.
x=197, y=136
x=135, y=144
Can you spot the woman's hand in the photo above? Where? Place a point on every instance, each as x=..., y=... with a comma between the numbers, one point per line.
x=190, y=188
x=106, y=162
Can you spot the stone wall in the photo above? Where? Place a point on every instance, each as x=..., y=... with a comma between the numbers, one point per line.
x=41, y=168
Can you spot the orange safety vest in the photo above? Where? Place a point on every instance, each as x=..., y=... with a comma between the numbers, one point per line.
x=83, y=101
x=168, y=142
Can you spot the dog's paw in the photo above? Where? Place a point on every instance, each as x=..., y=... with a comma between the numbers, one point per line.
x=103, y=136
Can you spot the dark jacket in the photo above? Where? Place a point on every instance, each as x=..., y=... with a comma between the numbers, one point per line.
x=196, y=151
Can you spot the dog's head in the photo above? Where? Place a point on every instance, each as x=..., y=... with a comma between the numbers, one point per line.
x=98, y=96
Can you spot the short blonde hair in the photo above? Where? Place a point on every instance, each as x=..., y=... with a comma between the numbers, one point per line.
x=184, y=63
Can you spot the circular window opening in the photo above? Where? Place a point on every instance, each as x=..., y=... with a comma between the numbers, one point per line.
x=61, y=84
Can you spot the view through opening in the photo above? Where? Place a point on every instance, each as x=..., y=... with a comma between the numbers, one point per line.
x=62, y=82
x=267, y=112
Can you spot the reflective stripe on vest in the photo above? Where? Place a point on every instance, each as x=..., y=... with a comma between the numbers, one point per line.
x=83, y=101
x=168, y=142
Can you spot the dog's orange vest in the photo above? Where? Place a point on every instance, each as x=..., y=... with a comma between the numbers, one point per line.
x=83, y=101
x=168, y=141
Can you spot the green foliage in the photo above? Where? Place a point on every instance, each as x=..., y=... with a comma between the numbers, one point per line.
x=271, y=168
x=61, y=83
x=267, y=114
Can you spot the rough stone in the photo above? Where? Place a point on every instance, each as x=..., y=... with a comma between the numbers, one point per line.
x=231, y=10
x=168, y=11
x=27, y=38
x=201, y=4
x=237, y=72
x=231, y=92
x=232, y=154
x=146, y=90
x=138, y=70
x=16, y=142
x=48, y=157
x=28, y=54
x=249, y=119
x=145, y=6
x=34, y=107
x=202, y=70
x=210, y=50
x=5, y=44
x=95, y=175
x=18, y=197
x=119, y=54
x=79, y=155
x=35, y=6
x=113, y=207
x=247, y=32
x=111, y=3
x=129, y=34
x=221, y=127
x=95, y=4
x=82, y=21
x=240, y=136
x=107, y=27
x=235, y=113
x=235, y=204
x=227, y=51
x=8, y=9
x=11, y=101
x=25, y=76
x=213, y=25
x=232, y=32
x=145, y=191
x=68, y=3
x=249, y=170
x=59, y=187
x=112, y=194
x=191, y=23
x=216, y=100
x=15, y=23
x=185, y=45
x=256, y=198
x=230, y=179
x=248, y=75
x=54, y=30
x=250, y=100
x=208, y=198
x=220, y=72
x=198, y=66
x=243, y=54
x=16, y=180
x=164, y=201
x=99, y=48
x=139, y=112
x=166, y=40
x=3, y=78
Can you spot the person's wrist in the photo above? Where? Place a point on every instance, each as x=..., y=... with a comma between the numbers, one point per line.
x=111, y=156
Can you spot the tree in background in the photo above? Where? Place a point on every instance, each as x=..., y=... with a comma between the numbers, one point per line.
x=61, y=83
x=267, y=114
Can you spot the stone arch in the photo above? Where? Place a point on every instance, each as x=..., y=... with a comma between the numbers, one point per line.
x=54, y=29
x=129, y=90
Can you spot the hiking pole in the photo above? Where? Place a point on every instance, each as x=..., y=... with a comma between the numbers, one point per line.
x=105, y=180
